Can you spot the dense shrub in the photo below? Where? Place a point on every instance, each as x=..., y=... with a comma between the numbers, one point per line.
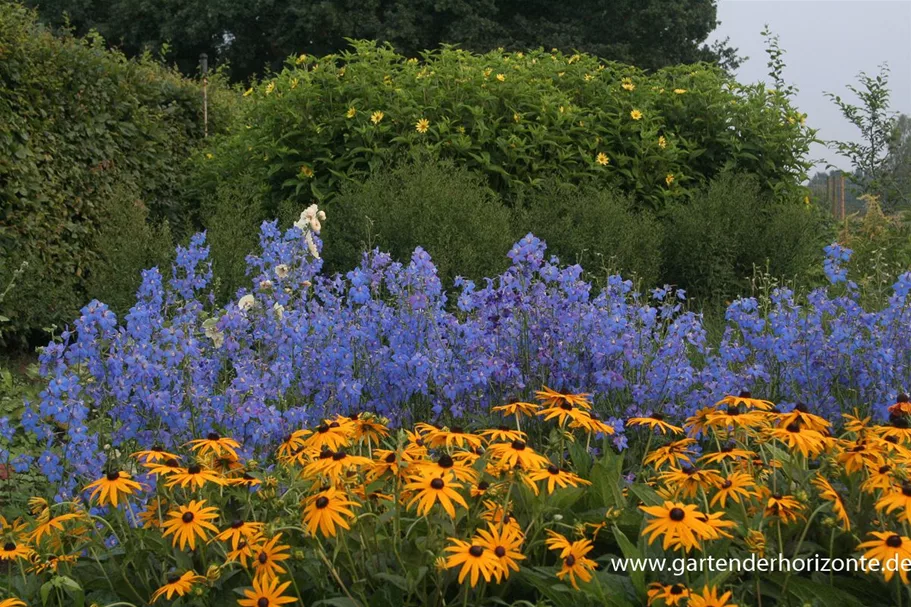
x=445, y=209
x=79, y=126
x=596, y=228
x=512, y=117
x=712, y=244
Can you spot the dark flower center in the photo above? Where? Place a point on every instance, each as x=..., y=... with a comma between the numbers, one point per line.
x=658, y=416
x=677, y=589
x=776, y=496
x=213, y=436
x=728, y=447
x=884, y=469
x=476, y=551
x=906, y=489
x=354, y=417
x=894, y=541
x=437, y=484
x=566, y=406
x=157, y=449
x=326, y=453
x=262, y=558
x=746, y=394
x=483, y=486
x=419, y=442
x=339, y=455
x=732, y=410
x=390, y=458
x=503, y=428
x=892, y=439
x=456, y=430
x=172, y=578
x=553, y=469
x=237, y=524
x=445, y=461
x=171, y=463
x=793, y=427
x=858, y=448
x=9, y=546
x=500, y=551
x=726, y=484
x=570, y=560
x=518, y=445
x=322, y=501
x=902, y=398
x=187, y=517
x=802, y=407
x=677, y=514
x=113, y=476
x=194, y=469
x=322, y=429
x=334, y=425
x=262, y=602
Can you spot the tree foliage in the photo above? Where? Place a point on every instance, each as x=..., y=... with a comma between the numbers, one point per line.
x=255, y=34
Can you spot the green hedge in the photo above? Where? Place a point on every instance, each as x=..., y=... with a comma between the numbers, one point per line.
x=514, y=118
x=82, y=129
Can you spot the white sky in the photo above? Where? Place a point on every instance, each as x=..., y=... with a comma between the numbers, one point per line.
x=826, y=43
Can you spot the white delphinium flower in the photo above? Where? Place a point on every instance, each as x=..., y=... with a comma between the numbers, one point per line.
x=282, y=270
x=265, y=285
x=279, y=310
x=246, y=302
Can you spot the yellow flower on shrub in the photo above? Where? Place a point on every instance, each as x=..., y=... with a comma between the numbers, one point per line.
x=627, y=84
x=602, y=159
x=474, y=560
x=351, y=113
x=662, y=142
x=422, y=126
x=376, y=117
x=248, y=92
x=679, y=91
x=266, y=592
x=635, y=115
x=326, y=510
x=270, y=87
x=669, y=179
x=177, y=584
x=885, y=547
x=501, y=77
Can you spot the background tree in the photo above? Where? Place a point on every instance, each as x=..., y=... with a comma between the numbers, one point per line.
x=253, y=35
x=898, y=164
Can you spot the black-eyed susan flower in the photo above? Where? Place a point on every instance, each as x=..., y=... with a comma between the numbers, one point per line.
x=47, y=525
x=239, y=530
x=575, y=563
x=676, y=453
x=12, y=602
x=446, y=464
x=678, y=523
x=246, y=550
x=902, y=405
x=801, y=415
x=292, y=444
x=828, y=493
x=728, y=451
x=186, y=523
x=856, y=455
x=150, y=516
x=518, y=409
x=332, y=435
x=745, y=399
x=384, y=461
x=266, y=593
x=505, y=543
x=502, y=433
x=735, y=487
x=897, y=499
x=215, y=444
x=179, y=585
x=797, y=437
x=709, y=597
x=516, y=454
x=554, y=477
x=153, y=455
x=784, y=507
x=11, y=551
x=267, y=560
x=432, y=489
x=474, y=560
x=670, y=595
x=591, y=423
x=888, y=547
x=327, y=510
x=336, y=465
x=733, y=417
x=448, y=438
x=368, y=426
x=195, y=476
x=164, y=467
x=880, y=478
x=696, y=423
x=552, y=398
x=689, y=480
x=51, y=562
x=655, y=421
x=109, y=487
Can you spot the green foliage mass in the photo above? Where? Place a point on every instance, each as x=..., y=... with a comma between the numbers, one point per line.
x=82, y=130
x=253, y=34
x=514, y=118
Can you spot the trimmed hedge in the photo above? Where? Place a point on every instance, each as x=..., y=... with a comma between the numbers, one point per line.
x=514, y=118
x=81, y=129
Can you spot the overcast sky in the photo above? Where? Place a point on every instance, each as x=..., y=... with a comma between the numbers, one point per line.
x=826, y=43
